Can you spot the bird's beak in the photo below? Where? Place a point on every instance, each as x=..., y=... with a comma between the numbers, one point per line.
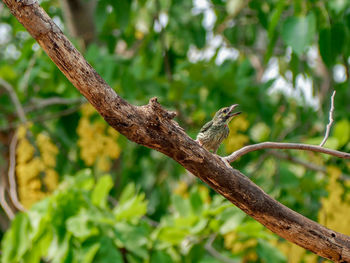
x=231, y=113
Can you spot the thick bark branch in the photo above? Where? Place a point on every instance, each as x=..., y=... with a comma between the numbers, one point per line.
x=153, y=127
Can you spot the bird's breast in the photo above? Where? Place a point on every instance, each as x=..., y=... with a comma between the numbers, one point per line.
x=211, y=138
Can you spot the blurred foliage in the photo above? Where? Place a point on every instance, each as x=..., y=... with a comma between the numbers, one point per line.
x=78, y=224
x=196, y=57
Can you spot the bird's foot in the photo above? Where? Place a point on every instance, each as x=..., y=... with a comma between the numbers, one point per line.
x=198, y=141
x=224, y=160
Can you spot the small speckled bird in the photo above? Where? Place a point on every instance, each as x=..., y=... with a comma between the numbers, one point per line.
x=215, y=131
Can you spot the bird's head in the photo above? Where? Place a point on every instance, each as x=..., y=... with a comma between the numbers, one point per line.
x=225, y=115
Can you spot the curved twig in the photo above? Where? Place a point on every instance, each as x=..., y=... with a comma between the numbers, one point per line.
x=212, y=251
x=3, y=203
x=19, y=109
x=284, y=145
x=12, y=175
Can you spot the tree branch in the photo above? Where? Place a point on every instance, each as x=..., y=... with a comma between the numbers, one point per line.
x=284, y=145
x=19, y=109
x=153, y=127
x=329, y=125
x=12, y=175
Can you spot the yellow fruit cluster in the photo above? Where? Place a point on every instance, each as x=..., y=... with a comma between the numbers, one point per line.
x=97, y=141
x=294, y=253
x=336, y=206
x=247, y=247
x=32, y=165
x=182, y=189
x=236, y=140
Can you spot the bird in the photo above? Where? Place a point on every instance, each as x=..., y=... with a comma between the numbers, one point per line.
x=215, y=131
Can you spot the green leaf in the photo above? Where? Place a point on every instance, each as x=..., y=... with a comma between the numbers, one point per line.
x=79, y=226
x=160, y=256
x=342, y=132
x=59, y=249
x=101, y=190
x=273, y=22
x=196, y=202
x=133, y=238
x=331, y=43
x=199, y=226
x=338, y=5
x=132, y=209
x=299, y=32
x=83, y=179
x=122, y=10
x=172, y=235
x=15, y=242
x=128, y=192
x=288, y=179
x=198, y=31
x=88, y=253
x=108, y=252
x=269, y=253
x=39, y=249
x=232, y=223
x=324, y=43
x=182, y=206
x=275, y=18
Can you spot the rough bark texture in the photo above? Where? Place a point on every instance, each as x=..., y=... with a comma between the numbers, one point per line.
x=153, y=127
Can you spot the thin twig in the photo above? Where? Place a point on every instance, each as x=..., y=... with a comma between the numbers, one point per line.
x=43, y=103
x=43, y=118
x=281, y=145
x=12, y=174
x=258, y=163
x=212, y=251
x=10, y=214
x=167, y=66
x=25, y=81
x=308, y=165
x=19, y=109
x=331, y=120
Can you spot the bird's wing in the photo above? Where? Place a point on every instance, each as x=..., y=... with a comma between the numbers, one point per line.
x=227, y=132
x=206, y=126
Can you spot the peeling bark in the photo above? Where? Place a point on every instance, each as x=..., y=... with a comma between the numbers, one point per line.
x=154, y=127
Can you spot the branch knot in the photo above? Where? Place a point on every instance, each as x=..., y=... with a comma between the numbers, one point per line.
x=160, y=111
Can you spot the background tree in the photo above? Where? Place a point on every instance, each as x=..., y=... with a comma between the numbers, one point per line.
x=169, y=50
